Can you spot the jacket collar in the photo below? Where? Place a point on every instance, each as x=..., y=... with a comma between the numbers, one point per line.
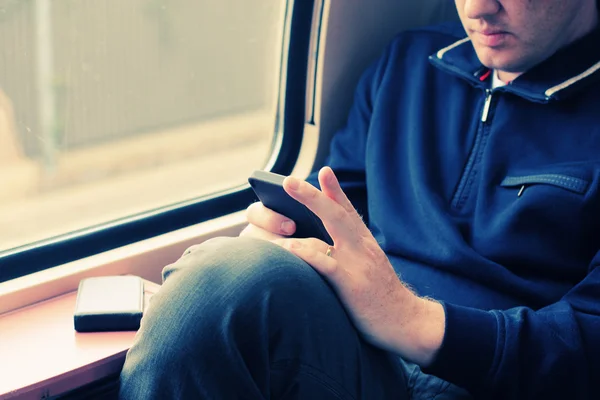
x=568, y=71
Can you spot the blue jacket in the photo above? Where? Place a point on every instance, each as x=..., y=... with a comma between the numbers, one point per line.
x=489, y=201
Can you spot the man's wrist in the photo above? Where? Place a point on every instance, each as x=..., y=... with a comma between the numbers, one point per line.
x=433, y=326
x=422, y=331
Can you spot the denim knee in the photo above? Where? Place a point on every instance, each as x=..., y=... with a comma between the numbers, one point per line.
x=230, y=283
x=239, y=267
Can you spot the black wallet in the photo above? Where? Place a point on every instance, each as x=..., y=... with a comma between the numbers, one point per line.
x=109, y=303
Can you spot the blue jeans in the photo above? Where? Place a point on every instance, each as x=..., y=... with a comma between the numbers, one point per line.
x=241, y=318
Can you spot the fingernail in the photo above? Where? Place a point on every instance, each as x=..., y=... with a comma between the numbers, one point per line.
x=287, y=227
x=331, y=179
x=293, y=183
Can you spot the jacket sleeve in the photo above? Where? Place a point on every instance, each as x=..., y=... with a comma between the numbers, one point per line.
x=550, y=353
x=347, y=151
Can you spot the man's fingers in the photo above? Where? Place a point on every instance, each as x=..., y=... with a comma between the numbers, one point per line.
x=335, y=210
x=334, y=217
x=315, y=254
x=309, y=195
x=267, y=219
x=332, y=189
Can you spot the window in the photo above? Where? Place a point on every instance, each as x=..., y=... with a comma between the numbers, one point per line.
x=115, y=114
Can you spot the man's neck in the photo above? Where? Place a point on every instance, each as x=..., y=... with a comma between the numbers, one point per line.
x=496, y=81
x=508, y=76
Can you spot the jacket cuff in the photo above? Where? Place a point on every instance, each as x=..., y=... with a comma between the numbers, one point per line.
x=468, y=349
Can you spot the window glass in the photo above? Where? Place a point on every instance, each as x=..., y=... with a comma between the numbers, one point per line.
x=109, y=108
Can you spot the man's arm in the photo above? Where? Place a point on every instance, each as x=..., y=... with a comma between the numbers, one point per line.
x=387, y=313
x=551, y=353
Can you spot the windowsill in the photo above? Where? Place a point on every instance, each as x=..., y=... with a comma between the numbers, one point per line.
x=42, y=354
x=145, y=258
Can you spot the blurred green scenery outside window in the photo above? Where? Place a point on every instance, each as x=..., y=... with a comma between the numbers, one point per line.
x=110, y=108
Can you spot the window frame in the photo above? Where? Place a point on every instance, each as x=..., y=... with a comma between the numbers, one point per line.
x=285, y=149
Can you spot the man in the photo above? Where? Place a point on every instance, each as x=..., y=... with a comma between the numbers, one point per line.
x=478, y=276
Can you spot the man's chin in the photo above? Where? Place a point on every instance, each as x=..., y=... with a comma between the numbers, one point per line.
x=499, y=59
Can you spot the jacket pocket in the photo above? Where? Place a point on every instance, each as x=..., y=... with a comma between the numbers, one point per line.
x=573, y=184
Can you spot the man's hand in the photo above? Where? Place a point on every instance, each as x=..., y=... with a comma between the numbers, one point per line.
x=383, y=309
x=267, y=224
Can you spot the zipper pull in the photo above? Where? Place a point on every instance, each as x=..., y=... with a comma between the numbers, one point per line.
x=486, y=106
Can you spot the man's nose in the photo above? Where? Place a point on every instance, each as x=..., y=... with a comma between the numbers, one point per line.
x=476, y=9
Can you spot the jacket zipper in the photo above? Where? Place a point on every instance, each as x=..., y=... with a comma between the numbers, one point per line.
x=486, y=106
x=469, y=174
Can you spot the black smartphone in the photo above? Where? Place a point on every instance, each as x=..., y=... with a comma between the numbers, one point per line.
x=268, y=187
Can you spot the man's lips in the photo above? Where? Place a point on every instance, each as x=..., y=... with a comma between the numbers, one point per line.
x=491, y=37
